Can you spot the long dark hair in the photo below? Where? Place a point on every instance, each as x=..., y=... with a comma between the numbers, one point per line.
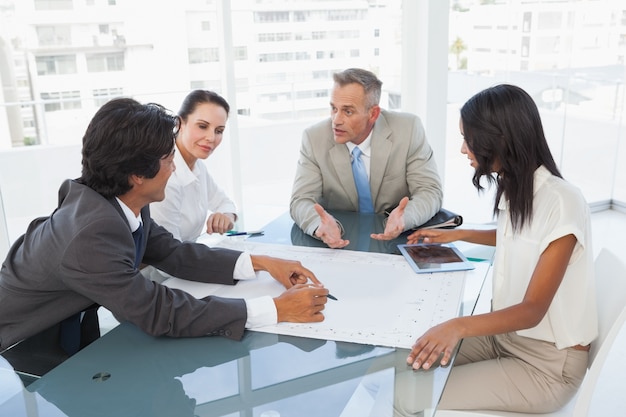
x=502, y=128
x=125, y=138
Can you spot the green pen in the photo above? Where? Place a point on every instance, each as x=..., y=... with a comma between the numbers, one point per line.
x=476, y=260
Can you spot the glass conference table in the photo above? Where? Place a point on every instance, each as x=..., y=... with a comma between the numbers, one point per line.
x=128, y=373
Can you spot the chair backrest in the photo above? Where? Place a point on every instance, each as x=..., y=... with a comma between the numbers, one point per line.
x=4, y=232
x=611, y=296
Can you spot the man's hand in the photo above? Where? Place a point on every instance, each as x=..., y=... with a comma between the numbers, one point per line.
x=328, y=231
x=395, y=223
x=302, y=303
x=220, y=222
x=287, y=272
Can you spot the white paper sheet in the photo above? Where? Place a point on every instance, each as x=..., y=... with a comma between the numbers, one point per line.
x=381, y=300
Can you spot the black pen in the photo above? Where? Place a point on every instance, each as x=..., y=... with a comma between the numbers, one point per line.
x=332, y=297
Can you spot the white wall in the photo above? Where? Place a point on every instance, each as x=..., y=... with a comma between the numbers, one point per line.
x=30, y=178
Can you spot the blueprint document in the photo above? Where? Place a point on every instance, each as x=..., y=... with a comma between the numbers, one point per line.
x=380, y=299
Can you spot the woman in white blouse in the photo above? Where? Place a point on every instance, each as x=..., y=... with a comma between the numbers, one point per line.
x=530, y=353
x=191, y=193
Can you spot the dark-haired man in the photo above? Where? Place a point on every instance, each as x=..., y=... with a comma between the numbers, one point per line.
x=87, y=252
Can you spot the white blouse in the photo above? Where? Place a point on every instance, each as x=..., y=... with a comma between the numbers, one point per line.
x=559, y=209
x=189, y=196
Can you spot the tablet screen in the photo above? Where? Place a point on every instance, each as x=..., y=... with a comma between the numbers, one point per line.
x=435, y=257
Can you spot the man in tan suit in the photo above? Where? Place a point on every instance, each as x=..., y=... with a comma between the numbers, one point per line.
x=403, y=177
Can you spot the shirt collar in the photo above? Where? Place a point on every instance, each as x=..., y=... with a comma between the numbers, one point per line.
x=365, y=146
x=183, y=173
x=133, y=221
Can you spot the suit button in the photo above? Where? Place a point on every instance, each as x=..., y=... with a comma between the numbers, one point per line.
x=228, y=332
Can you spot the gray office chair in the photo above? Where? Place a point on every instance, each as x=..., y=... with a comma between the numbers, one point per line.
x=611, y=295
x=38, y=354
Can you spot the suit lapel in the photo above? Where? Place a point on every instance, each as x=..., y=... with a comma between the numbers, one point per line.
x=340, y=158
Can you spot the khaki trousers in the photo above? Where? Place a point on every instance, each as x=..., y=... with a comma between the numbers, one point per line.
x=513, y=373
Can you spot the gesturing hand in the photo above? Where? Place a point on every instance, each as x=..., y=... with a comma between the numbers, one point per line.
x=395, y=223
x=328, y=231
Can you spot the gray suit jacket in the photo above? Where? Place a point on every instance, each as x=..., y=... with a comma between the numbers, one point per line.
x=84, y=254
x=401, y=164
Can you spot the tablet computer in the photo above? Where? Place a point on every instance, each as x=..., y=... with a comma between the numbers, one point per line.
x=435, y=257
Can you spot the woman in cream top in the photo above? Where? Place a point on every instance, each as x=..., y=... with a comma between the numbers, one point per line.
x=530, y=353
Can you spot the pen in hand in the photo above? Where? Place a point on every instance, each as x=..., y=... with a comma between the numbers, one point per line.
x=297, y=278
x=332, y=297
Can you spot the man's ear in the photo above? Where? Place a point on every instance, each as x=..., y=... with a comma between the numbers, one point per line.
x=134, y=179
x=374, y=113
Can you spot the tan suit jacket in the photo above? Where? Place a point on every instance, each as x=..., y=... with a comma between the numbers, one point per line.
x=401, y=164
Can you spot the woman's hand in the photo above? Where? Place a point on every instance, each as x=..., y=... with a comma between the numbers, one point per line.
x=432, y=236
x=438, y=342
x=220, y=222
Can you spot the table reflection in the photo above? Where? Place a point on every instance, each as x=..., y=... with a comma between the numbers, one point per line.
x=357, y=229
x=263, y=374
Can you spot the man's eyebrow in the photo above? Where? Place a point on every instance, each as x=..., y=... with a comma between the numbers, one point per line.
x=344, y=107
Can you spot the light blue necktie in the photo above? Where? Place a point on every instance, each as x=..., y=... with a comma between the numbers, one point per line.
x=362, y=182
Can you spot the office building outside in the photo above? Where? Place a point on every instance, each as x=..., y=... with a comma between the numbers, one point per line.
x=65, y=58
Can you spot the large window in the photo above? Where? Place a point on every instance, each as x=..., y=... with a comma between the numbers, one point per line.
x=275, y=68
x=53, y=4
x=103, y=62
x=61, y=100
x=571, y=63
x=56, y=65
x=202, y=55
x=57, y=35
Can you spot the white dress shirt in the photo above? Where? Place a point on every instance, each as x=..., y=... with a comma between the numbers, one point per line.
x=366, y=151
x=261, y=310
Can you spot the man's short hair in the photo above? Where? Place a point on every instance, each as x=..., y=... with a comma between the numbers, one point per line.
x=125, y=138
x=368, y=80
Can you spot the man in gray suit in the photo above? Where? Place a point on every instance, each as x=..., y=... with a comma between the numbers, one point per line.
x=394, y=152
x=88, y=251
